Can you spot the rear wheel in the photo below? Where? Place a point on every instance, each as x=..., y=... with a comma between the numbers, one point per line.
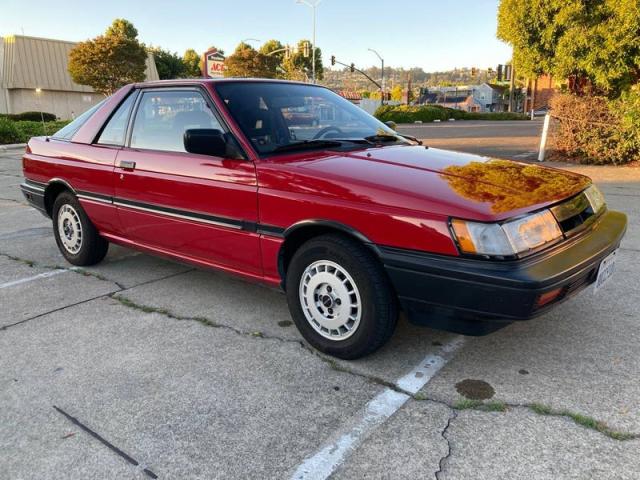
x=340, y=297
x=77, y=238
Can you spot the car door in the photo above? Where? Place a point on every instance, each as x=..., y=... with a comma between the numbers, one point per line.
x=194, y=206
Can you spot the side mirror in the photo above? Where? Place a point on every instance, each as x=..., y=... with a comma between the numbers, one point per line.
x=212, y=142
x=391, y=124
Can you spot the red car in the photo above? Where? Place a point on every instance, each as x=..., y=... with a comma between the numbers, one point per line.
x=353, y=221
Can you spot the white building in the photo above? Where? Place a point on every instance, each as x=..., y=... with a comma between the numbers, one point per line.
x=30, y=63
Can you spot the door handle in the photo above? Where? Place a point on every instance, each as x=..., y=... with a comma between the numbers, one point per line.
x=127, y=164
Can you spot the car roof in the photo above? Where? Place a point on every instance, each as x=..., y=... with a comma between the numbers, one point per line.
x=192, y=81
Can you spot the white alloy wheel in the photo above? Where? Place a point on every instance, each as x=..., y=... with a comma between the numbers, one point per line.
x=70, y=229
x=330, y=300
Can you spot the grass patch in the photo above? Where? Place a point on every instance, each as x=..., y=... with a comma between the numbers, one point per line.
x=584, y=421
x=468, y=404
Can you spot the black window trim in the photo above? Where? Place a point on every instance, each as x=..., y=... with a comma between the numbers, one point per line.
x=134, y=92
x=179, y=88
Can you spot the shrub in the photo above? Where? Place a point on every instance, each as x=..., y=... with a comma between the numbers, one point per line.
x=22, y=131
x=596, y=130
x=429, y=113
x=9, y=133
x=31, y=116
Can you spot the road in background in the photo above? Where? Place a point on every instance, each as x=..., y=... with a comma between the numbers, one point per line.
x=517, y=140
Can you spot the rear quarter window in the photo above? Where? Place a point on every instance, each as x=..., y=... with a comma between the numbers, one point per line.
x=68, y=131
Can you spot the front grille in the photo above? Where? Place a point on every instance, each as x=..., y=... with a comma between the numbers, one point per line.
x=574, y=214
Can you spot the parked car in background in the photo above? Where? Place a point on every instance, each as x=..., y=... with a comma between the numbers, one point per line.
x=352, y=220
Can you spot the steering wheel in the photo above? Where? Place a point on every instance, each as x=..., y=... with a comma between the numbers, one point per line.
x=326, y=130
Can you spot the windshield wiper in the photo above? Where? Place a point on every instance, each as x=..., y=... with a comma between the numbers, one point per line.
x=381, y=138
x=319, y=143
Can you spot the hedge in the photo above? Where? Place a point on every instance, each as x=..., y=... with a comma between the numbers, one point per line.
x=30, y=116
x=595, y=130
x=429, y=113
x=22, y=131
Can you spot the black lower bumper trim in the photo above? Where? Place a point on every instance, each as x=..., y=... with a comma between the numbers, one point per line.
x=440, y=287
x=35, y=196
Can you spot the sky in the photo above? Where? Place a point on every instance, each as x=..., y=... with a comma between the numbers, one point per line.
x=434, y=35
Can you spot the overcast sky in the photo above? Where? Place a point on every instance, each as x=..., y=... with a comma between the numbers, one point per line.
x=434, y=35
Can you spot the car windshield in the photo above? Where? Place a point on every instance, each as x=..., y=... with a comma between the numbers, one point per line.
x=279, y=117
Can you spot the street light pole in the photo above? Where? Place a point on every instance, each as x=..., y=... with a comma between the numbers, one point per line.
x=313, y=4
x=382, y=76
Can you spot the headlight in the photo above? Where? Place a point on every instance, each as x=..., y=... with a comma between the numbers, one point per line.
x=509, y=238
x=595, y=197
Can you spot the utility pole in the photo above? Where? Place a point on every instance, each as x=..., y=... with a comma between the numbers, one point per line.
x=512, y=83
x=381, y=77
x=313, y=4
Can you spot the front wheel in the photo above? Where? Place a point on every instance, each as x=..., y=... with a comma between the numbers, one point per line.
x=340, y=297
x=77, y=238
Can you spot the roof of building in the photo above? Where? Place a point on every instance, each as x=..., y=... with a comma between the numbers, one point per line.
x=500, y=88
x=33, y=62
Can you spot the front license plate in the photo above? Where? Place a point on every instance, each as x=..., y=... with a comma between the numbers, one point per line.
x=606, y=270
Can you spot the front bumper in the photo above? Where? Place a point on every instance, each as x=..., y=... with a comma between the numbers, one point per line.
x=476, y=297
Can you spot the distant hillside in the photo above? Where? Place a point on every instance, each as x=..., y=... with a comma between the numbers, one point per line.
x=345, y=80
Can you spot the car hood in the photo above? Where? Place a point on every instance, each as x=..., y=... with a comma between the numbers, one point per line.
x=434, y=180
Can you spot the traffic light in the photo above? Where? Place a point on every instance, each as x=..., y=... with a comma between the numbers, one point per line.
x=473, y=71
x=306, y=49
x=499, y=73
x=287, y=52
x=333, y=59
x=352, y=68
x=507, y=73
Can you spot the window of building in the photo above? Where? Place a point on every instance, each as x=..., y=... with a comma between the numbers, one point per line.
x=162, y=118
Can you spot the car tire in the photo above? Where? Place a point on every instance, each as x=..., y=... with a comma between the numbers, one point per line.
x=77, y=238
x=340, y=297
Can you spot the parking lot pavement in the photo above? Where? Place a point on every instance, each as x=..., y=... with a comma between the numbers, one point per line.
x=175, y=372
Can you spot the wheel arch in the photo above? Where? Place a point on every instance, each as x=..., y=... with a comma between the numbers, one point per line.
x=299, y=233
x=55, y=187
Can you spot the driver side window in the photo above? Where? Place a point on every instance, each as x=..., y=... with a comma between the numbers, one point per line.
x=163, y=116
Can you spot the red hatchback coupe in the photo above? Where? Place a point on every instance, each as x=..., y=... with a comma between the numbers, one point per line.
x=353, y=220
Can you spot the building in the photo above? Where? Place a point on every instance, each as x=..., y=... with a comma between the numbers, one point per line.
x=30, y=63
x=470, y=98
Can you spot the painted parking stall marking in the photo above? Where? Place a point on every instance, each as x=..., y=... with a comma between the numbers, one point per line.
x=331, y=456
x=20, y=281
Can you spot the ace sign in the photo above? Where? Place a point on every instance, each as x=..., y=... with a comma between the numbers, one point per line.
x=213, y=64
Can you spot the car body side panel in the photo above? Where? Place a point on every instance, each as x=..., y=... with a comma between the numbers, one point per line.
x=190, y=184
x=84, y=168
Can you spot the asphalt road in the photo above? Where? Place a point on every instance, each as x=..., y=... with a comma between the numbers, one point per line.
x=518, y=140
x=139, y=367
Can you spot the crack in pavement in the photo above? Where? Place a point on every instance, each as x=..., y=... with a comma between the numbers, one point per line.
x=80, y=272
x=445, y=458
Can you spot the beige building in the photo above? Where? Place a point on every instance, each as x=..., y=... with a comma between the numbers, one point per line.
x=30, y=63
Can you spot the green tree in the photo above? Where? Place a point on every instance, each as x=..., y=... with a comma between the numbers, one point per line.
x=274, y=60
x=192, y=62
x=396, y=93
x=299, y=67
x=597, y=40
x=123, y=28
x=246, y=61
x=168, y=64
x=109, y=61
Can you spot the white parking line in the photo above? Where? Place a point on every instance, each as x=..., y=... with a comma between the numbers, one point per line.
x=29, y=279
x=326, y=461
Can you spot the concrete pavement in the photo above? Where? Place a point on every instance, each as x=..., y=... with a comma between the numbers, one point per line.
x=193, y=374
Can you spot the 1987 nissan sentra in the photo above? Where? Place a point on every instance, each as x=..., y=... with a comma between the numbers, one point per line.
x=353, y=220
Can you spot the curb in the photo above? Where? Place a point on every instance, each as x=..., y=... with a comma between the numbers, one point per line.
x=12, y=146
